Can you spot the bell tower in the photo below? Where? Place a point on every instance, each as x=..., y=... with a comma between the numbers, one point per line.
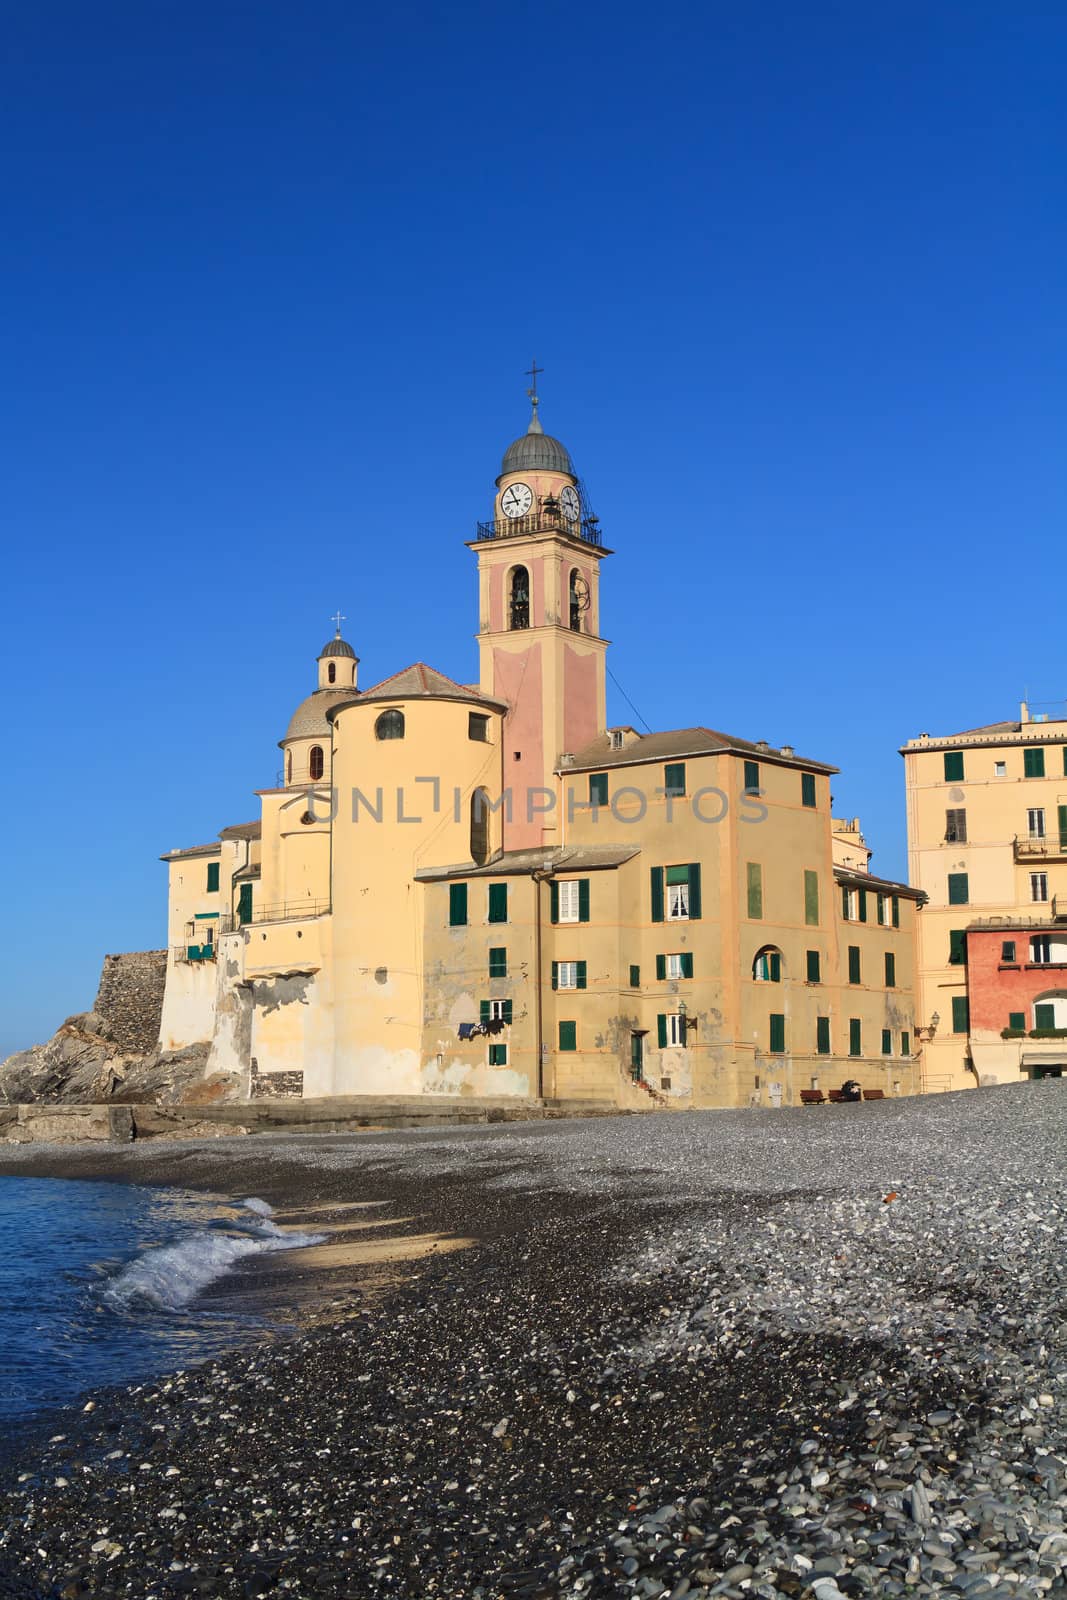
x=539, y=640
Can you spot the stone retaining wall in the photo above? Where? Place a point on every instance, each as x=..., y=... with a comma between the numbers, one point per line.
x=129, y=1001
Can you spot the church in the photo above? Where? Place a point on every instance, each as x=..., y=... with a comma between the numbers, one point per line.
x=481, y=889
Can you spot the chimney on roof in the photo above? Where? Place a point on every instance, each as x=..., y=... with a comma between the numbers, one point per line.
x=786, y=750
x=761, y=744
x=1024, y=711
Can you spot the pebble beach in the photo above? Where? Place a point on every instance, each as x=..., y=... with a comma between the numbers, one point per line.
x=812, y=1353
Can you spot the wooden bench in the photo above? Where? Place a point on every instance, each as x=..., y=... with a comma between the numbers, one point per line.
x=836, y=1096
x=874, y=1094
x=812, y=1097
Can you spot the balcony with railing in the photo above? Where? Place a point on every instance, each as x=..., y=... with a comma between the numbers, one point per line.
x=1038, y=847
x=548, y=518
x=290, y=911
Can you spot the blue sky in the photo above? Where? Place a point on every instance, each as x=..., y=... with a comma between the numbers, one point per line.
x=271, y=279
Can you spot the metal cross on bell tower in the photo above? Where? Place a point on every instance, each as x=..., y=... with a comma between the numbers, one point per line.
x=337, y=619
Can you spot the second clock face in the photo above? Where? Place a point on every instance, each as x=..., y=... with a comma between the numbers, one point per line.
x=516, y=500
x=568, y=499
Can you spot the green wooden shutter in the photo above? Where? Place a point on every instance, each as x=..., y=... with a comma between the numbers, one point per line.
x=1017, y=1020
x=1061, y=812
x=905, y=1044
x=1034, y=762
x=635, y=977
x=807, y=788
x=960, y=1014
x=752, y=777
x=212, y=877
x=661, y=1031
x=457, y=905
x=568, y=1036
x=581, y=973
x=553, y=900
x=244, y=904
x=1007, y=951
x=811, y=899
x=813, y=967
x=583, y=899
x=822, y=1035
x=854, y=964
x=754, y=875
x=844, y=903
x=887, y=1041
x=953, y=766
x=661, y=967
x=694, y=891
x=483, y=1010
x=498, y=902
x=855, y=1036
x=507, y=1012
x=555, y=974
x=959, y=893
x=863, y=905
x=498, y=1055
x=598, y=788
x=498, y=963
x=777, y=1033
x=896, y=911
x=657, y=894
x=957, y=947
x=1044, y=1016
x=674, y=778
x=890, y=970
x=687, y=963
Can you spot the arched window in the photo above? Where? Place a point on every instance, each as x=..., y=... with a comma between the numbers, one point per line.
x=520, y=598
x=480, y=826
x=289, y=767
x=767, y=967
x=577, y=596
x=331, y=672
x=316, y=762
x=390, y=725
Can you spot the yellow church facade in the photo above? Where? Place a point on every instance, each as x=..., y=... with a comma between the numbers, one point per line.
x=484, y=890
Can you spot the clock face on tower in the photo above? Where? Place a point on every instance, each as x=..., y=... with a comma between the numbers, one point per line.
x=568, y=500
x=516, y=500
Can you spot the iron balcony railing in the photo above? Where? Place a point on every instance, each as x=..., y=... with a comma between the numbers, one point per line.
x=290, y=910
x=1043, y=847
x=543, y=520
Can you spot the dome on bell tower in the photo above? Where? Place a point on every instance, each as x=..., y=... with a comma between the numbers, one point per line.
x=536, y=451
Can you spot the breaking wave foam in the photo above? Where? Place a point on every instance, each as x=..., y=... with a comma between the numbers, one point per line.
x=169, y=1277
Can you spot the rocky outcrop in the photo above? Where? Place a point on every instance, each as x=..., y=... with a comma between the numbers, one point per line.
x=111, y=1054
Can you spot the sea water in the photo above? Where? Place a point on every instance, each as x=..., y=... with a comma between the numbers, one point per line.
x=103, y=1283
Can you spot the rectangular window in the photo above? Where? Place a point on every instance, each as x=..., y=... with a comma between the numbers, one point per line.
x=855, y=1036
x=1040, y=949
x=777, y=1033
x=1061, y=820
x=883, y=911
x=850, y=904
x=890, y=970
x=754, y=875
x=1044, y=1016
x=498, y=902
x=457, y=905
x=896, y=911
x=807, y=788
x=570, y=900
x=212, y=877
x=905, y=1044
x=637, y=1054
x=814, y=967
x=957, y=947
x=953, y=766
x=477, y=727
x=854, y=964
x=956, y=826
x=1007, y=951
x=1035, y=822
x=244, y=904
x=674, y=778
x=887, y=1041
x=811, y=899
x=676, y=893
x=1017, y=1021
x=496, y=1011
x=598, y=788
x=568, y=975
x=675, y=1028
x=498, y=1055
x=960, y=1014
x=1000, y=768
x=822, y=1035
x=498, y=963
x=959, y=892
x=1038, y=886
x=635, y=977
x=1033, y=762
x=752, y=777
x=679, y=965
x=568, y=1036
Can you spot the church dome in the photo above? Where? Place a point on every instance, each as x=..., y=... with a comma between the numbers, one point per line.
x=309, y=718
x=337, y=647
x=537, y=451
